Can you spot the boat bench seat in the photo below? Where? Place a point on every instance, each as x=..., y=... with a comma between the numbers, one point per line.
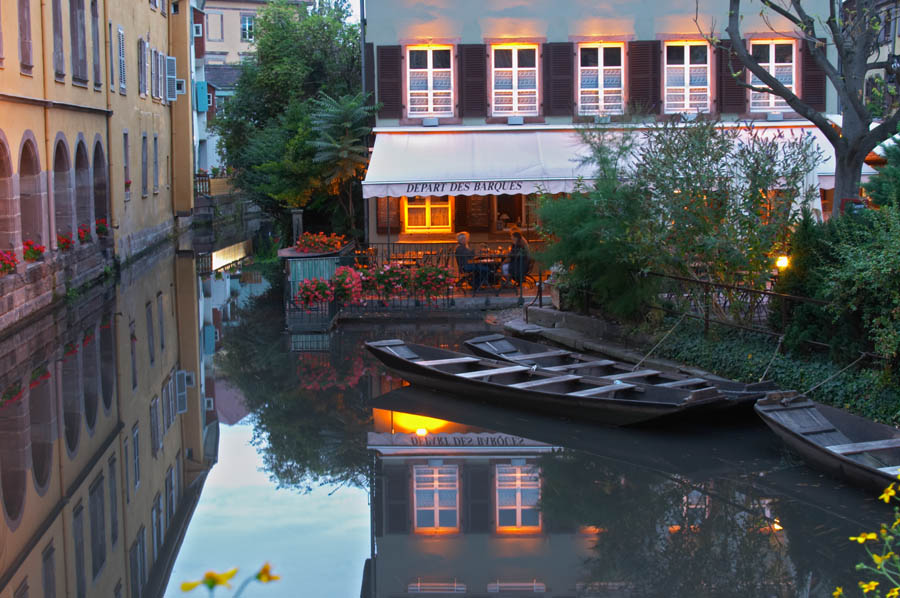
x=864, y=447
x=584, y=364
x=452, y=360
x=627, y=375
x=493, y=371
x=685, y=382
x=599, y=390
x=558, y=353
x=545, y=381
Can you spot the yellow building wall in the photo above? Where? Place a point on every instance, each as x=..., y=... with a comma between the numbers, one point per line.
x=223, y=30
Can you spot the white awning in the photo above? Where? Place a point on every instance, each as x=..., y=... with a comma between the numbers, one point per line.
x=475, y=163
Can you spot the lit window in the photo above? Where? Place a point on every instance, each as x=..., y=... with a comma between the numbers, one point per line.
x=427, y=214
x=247, y=28
x=515, y=78
x=600, y=79
x=436, y=497
x=777, y=57
x=518, y=492
x=430, y=77
x=687, y=77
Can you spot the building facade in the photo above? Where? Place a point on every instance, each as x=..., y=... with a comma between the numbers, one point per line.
x=480, y=104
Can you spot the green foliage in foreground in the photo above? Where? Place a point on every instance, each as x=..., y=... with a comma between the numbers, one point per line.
x=744, y=356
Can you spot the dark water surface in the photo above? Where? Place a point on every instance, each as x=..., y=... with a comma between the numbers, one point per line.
x=351, y=483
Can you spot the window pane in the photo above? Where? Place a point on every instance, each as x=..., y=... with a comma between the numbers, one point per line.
x=418, y=59
x=760, y=52
x=530, y=496
x=503, y=80
x=506, y=517
x=698, y=54
x=674, y=54
x=441, y=79
x=440, y=217
x=447, y=518
x=612, y=56
x=425, y=498
x=784, y=53
x=590, y=56
x=418, y=80
x=527, y=58
x=424, y=518
x=530, y=518
x=698, y=76
x=440, y=59
x=447, y=498
x=589, y=79
x=506, y=498
x=612, y=77
x=527, y=79
x=675, y=77
x=503, y=59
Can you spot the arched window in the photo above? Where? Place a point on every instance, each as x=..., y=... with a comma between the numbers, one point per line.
x=84, y=208
x=62, y=190
x=9, y=221
x=30, y=194
x=42, y=425
x=90, y=356
x=71, y=390
x=107, y=362
x=14, y=456
x=101, y=185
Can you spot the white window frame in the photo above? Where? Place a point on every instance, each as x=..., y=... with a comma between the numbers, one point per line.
x=771, y=102
x=601, y=91
x=248, y=34
x=515, y=92
x=434, y=471
x=687, y=88
x=429, y=201
x=520, y=473
x=430, y=93
x=123, y=68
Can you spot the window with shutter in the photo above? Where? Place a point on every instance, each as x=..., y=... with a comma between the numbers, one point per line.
x=559, y=79
x=78, y=540
x=472, y=79
x=600, y=79
x=396, y=500
x=26, y=62
x=387, y=215
x=122, y=67
x=112, y=56
x=113, y=502
x=142, y=83
x=518, y=494
x=154, y=426
x=813, y=79
x=59, y=62
x=156, y=190
x=687, y=77
x=78, y=41
x=390, y=92
x=153, y=78
x=171, y=74
x=429, y=79
x=144, y=183
x=436, y=498
x=477, y=489
x=95, y=44
x=514, y=77
x=48, y=571
x=127, y=175
x=136, y=455
x=777, y=57
x=732, y=98
x=644, y=76
x=98, y=526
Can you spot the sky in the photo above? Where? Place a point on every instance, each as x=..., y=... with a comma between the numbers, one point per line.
x=317, y=543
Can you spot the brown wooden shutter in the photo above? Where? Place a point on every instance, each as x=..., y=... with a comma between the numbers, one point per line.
x=644, y=76
x=95, y=44
x=732, y=97
x=390, y=81
x=477, y=499
x=396, y=500
x=472, y=79
x=370, y=74
x=383, y=219
x=25, y=56
x=460, y=213
x=59, y=61
x=559, y=79
x=812, y=77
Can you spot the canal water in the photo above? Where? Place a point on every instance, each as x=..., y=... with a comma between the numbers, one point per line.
x=307, y=454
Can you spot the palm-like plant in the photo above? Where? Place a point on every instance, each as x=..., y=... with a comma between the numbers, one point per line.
x=341, y=126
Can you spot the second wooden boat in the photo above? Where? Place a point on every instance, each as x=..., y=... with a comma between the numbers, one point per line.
x=610, y=401
x=847, y=446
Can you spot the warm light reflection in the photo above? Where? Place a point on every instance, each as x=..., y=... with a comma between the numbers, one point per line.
x=782, y=262
x=592, y=530
x=418, y=424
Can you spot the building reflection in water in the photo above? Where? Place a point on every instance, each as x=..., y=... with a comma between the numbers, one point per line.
x=102, y=434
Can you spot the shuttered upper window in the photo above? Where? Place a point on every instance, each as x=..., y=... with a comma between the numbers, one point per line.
x=436, y=493
x=430, y=81
x=777, y=57
x=141, y=66
x=26, y=60
x=122, y=67
x=687, y=77
x=515, y=80
x=600, y=79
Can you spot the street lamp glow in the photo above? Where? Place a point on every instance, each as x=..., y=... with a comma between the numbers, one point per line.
x=421, y=432
x=782, y=262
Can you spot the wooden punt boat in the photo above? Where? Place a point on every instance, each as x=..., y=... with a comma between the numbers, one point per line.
x=607, y=400
x=521, y=351
x=847, y=446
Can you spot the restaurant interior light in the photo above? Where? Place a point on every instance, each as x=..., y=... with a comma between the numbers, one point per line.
x=421, y=432
x=782, y=262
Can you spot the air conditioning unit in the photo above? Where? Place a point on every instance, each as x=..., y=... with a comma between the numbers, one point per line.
x=198, y=29
x=209, y=403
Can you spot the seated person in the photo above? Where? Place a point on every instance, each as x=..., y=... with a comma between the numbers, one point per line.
x=515, y=266
x=464, y=254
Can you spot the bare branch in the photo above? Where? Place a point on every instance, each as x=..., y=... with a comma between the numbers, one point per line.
x=886, y=129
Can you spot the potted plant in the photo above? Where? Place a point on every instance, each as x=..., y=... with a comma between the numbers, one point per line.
x=101, y=227
x=558, y=285
x=8, y=261
x=31, y=251
x=84, y=234
x=64, y=242
x=127, y=184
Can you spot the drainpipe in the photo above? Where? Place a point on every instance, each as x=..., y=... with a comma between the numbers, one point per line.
x=110, y=204
x=50, y=241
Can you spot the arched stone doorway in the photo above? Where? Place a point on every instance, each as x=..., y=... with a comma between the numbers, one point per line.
x=62, y=190
x=30, y=194
x=42, y=425
x=84, y=201
x=9, y=209
x=101, y=185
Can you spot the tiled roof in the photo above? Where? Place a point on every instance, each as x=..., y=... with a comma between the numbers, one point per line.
x=223, y=76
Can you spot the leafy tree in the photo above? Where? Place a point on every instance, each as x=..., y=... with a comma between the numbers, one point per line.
x=884, y=188
x=853, y=29
x=266, y=132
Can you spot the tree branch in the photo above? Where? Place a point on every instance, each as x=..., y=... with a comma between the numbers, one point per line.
x=883, y=131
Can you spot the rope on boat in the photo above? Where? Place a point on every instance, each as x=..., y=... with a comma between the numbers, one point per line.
x=860, y=358
x=771, y=361
x=665, y=336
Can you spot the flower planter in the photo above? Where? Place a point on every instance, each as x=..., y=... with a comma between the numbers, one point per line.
x=557, y=299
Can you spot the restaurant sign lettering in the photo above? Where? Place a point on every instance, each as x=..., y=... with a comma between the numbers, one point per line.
x=456, y=439
x=464, y=187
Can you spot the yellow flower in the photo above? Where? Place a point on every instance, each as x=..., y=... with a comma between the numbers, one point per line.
x=887, y=494
x=879, y=560
x=265, y=574
x=838, y=592
x=868, y=587
x=863, y=537
x=893, y=593
x=210, y=579
x=896, y=523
